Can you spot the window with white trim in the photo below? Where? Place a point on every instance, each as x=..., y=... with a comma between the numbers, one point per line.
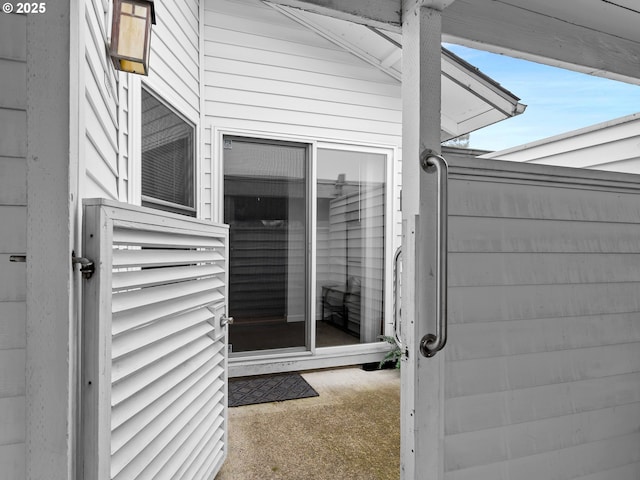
x=168, y=158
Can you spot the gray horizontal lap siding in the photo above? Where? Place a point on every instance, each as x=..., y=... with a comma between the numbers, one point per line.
x=543, y=359
x=13, y=211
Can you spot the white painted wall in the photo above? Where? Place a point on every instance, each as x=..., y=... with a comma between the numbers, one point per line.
x=110, y=117
x=79, y=131
x=612, y=146
x=174, y=77
x=13, y=213
x=124, y=192
x=175, y=47
x=264, y=71
x=266, y=74
x=100, y=111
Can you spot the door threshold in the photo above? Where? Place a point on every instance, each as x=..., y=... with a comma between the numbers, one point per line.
x=269, y=354
x=327, y=357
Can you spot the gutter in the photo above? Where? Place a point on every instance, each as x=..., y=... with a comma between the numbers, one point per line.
x=472, y=71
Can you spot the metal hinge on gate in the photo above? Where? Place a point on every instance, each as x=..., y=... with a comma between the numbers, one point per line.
x=87, y=267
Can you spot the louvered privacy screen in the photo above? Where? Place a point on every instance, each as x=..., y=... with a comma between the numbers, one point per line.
x=154, y=348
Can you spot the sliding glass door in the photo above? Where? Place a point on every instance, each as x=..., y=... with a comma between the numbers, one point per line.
x=265, y=205
x=350, y=246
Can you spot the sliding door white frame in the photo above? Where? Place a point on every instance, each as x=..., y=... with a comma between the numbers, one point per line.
x=267, y=361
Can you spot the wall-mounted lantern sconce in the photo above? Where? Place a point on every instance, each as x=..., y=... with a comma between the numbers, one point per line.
x=131, y=35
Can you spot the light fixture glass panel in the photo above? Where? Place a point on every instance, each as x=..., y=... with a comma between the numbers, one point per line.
x=131, y=38
x=133, y=67
x=141, y=11
x=127, y=8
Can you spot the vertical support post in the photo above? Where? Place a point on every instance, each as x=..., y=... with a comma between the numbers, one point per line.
x=422, y=413
x=95, y=378
x=52, y=142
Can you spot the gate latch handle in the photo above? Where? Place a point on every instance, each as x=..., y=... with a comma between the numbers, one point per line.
x=87, y=267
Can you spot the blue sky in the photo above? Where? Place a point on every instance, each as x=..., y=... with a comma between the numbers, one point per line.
x=557, y=100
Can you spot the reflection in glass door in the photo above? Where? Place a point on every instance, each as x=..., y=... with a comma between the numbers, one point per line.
x=265, y=205
x=350, y=247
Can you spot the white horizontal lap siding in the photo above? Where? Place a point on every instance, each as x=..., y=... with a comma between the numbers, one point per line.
x=123, y=138
x=208, y=176
x=174, y=58
x=13, y=210
x=164, y=382
x=265, y=72
x=397, y=198
x=543, y=357
x=100, y=109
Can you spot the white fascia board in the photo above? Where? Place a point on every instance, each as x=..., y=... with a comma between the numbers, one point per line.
x=472, y=80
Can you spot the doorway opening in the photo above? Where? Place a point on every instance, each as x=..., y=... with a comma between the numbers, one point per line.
x=265, y=206
x=308, y=238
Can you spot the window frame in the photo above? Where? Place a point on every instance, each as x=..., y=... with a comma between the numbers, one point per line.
x=157, y=203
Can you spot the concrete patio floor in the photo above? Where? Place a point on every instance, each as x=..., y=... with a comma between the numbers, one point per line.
x=351, y=431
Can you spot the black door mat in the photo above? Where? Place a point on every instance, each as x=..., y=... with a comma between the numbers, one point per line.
x=268, y=388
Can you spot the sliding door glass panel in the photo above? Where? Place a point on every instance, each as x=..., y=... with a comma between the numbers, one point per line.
x=265, y=205
x=350, y=232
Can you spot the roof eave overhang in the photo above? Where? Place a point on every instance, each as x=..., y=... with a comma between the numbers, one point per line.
x=471, y=100
x=531, y=32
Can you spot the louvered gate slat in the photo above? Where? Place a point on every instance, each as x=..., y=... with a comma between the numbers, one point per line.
x=154, y=349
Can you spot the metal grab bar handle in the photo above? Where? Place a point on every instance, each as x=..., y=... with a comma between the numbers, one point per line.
x=397, y=313
x=432, y=344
